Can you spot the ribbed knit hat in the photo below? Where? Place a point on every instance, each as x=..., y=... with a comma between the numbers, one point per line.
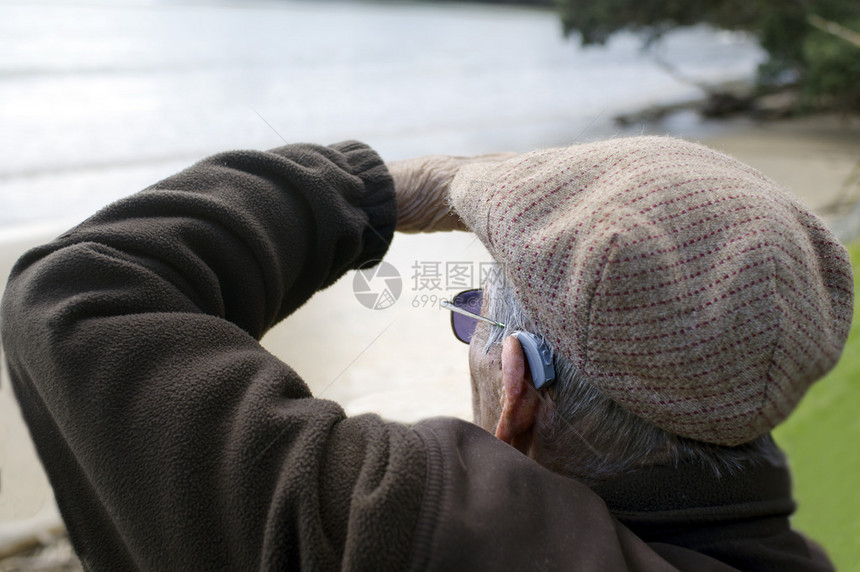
x=683, y=284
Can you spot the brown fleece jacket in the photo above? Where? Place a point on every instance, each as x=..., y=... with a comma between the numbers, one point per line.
x=174, y=441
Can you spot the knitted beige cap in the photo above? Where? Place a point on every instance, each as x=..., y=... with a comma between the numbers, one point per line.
x=683, y=284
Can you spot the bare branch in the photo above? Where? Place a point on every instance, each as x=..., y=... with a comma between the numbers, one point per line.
x=834, y=29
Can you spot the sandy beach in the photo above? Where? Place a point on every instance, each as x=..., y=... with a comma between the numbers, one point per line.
x=413, y=353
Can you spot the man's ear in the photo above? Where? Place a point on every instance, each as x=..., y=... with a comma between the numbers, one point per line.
x=519, y=398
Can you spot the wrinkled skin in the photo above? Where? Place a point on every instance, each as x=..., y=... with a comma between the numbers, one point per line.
x=421, y=186
x=486, y=375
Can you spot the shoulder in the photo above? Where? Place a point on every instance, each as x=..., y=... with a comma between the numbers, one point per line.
x=487, y=506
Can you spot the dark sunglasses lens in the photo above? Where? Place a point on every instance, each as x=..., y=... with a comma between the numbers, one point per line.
x=464, y=326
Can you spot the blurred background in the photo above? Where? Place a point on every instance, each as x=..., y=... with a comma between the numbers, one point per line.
x=100, y=99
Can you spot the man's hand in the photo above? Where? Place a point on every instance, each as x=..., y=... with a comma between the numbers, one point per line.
x=421, y=186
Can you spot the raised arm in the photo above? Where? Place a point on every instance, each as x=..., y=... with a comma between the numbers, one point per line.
x=173, y=440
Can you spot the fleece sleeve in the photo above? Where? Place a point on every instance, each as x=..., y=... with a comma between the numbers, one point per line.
x=172, y=439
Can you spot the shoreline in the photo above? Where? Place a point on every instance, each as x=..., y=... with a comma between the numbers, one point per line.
x=810, y=156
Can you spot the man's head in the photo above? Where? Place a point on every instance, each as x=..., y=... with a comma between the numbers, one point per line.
x=570, y=426
x=681, y=287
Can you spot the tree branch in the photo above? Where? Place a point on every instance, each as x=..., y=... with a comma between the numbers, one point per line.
x=834, y=29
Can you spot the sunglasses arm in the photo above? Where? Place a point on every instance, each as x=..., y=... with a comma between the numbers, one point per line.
x=536, y=351
x=449, y=306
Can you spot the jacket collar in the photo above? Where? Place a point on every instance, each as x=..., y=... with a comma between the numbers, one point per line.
x=692, y=493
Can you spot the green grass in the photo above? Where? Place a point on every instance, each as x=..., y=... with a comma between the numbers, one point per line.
x=821, y=440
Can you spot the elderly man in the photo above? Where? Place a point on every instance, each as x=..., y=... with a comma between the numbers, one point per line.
x=663, y=308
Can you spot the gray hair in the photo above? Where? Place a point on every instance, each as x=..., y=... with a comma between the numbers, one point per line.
x=591, y=437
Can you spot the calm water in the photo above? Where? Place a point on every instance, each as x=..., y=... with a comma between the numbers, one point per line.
x=98, y=100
